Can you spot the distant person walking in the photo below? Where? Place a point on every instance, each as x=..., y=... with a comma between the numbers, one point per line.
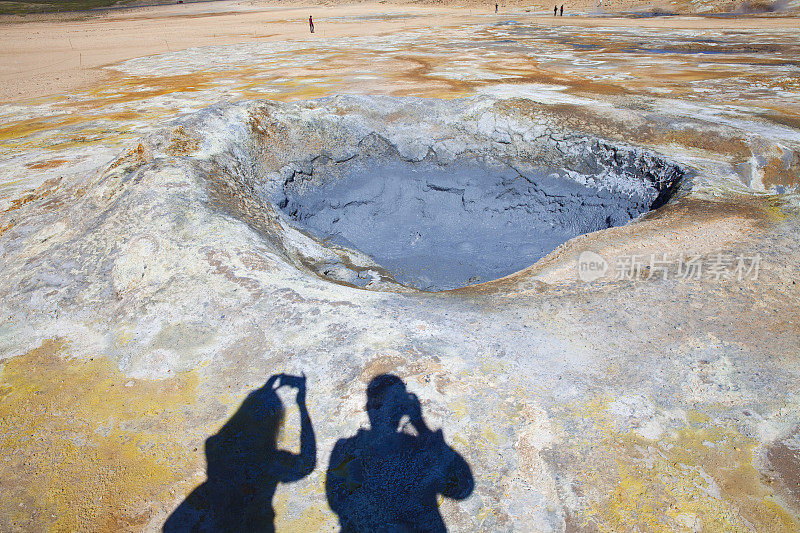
x=562, y=11
x=311, y=24
x=495, y=8
x=555, y=11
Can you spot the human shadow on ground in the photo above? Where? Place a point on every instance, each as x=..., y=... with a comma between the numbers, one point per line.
x=386, y=478
x=245, y=466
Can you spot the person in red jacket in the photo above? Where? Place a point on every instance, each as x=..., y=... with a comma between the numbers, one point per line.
x=311, y=24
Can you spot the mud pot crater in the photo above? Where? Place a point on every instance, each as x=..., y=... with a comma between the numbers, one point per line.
x=410, y=194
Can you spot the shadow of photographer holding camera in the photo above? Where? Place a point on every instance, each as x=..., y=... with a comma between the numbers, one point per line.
x=245, y=466
x=387, y=479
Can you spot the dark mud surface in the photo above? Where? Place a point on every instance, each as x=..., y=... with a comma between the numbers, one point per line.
x=437, y=227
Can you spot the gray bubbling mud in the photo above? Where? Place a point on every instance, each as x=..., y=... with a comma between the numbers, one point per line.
x=402, y=194
x=438, y=227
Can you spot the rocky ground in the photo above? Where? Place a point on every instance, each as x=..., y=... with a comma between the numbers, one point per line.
x=641, y=377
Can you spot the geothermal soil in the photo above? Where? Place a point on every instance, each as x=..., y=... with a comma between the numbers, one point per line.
x=196, y=198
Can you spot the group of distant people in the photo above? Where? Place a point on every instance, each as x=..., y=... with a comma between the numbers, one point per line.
x=496, y=7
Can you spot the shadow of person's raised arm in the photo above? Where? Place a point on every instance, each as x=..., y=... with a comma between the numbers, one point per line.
x=386, y=478
x=245, y=466
x=288, y=466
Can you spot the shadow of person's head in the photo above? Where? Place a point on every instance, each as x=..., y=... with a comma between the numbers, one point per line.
x=387, y=402
x=250, y=433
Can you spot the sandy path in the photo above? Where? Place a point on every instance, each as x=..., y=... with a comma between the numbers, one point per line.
x=49, y=57
x=61, y=53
